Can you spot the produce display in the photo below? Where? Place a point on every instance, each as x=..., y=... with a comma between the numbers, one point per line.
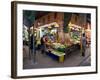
x=76, y=39
x=75, y=35
x=58, y=53
x=59, y=47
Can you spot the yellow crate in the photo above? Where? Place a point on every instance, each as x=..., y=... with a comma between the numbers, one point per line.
x=61, y=58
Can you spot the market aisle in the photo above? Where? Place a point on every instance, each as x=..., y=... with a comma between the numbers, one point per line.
x=44, y=61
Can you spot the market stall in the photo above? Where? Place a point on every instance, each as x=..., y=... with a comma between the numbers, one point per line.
x=75, y=37
x=54, y=49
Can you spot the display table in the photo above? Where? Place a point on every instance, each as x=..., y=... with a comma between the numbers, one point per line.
x=59, y=52
x=59, y=56
x=72, y=48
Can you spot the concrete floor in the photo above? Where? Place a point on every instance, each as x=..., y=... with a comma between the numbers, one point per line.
x=43, y=61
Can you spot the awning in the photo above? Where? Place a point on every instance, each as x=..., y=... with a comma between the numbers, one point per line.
x=49, y=25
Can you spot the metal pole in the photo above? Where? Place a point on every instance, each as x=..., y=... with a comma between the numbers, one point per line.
x=34, y=46
x=29, y=43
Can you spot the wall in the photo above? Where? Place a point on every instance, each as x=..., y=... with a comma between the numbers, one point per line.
x=48, y=18
x=5, y=40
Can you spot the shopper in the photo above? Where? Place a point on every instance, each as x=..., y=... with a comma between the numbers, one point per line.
x=83, y=44
x=43, y=45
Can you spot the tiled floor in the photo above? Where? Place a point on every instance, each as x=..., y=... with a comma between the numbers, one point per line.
x=44, y=61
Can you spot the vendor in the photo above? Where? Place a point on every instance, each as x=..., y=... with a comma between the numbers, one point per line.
x=83, y=40
x=44, y=40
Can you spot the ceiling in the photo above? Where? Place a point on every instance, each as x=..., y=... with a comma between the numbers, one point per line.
x=40, y=14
